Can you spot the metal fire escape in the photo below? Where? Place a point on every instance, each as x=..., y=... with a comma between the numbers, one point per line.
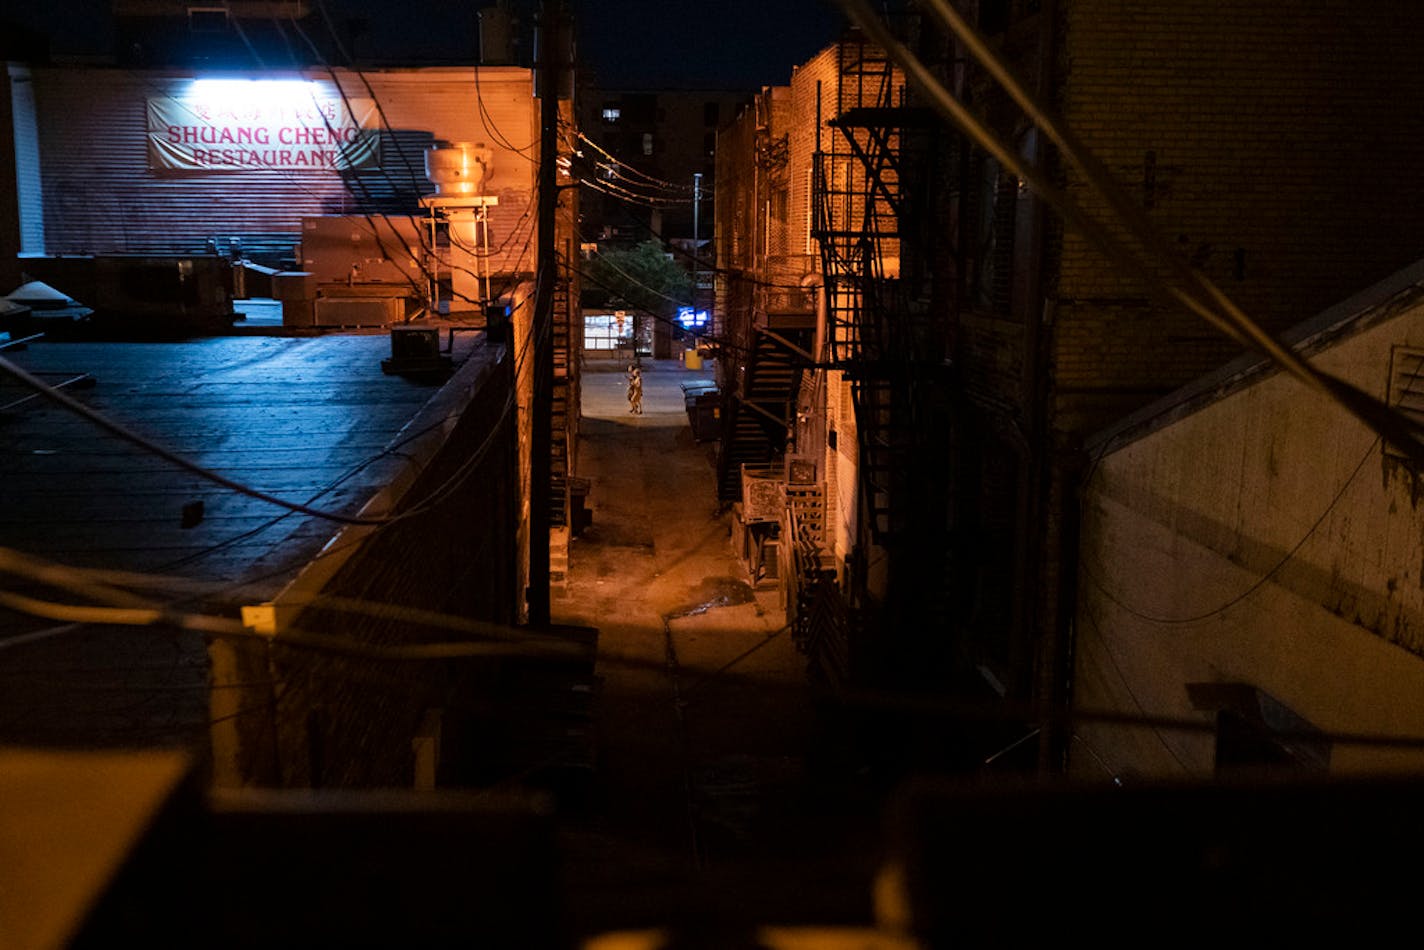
x=759, y=413
x=758, y=418
x=563, y=398
x=875, y=332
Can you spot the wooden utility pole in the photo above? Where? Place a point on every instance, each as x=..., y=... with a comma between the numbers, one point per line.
x=548, y=78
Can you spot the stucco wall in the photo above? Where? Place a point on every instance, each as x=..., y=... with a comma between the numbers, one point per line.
x=1263, y=538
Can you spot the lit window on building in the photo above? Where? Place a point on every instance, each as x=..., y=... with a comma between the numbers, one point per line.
x=612, y=115
x=607, y=331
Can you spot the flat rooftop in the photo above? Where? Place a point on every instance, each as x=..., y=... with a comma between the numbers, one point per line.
x=312, y=420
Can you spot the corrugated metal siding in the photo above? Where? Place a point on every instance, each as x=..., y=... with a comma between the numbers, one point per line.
x=100, y=196
x=446, y=104
x=27, y=161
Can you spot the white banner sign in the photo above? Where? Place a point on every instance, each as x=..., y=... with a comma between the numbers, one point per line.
x=316, y=131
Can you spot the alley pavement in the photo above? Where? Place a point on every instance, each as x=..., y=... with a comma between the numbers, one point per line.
x=706, y=798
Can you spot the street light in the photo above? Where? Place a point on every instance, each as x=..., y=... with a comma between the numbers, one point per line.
x=696, y=233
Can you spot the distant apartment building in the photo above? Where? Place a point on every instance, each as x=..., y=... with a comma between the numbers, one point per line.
x=647, y=164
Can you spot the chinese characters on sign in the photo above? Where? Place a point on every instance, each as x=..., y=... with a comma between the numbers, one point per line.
x=318, y=131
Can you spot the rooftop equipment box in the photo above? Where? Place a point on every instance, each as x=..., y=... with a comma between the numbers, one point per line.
x=361, y=249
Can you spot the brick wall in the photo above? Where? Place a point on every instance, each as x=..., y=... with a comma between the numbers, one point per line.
x=348, y=722
x=1273, y=145
x=822, y=69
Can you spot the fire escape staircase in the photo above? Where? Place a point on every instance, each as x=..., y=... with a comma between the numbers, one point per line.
x=758, y=416
x=875, y=334
x=562, y=402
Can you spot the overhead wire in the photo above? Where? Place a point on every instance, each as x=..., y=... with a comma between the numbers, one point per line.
x=487, y=120
x=105, y=587
x=436, y=497
x=523, y=642
x=353, y=176
x=617, y=191
x=1194, y=290
x=351, y=179
x=1132, y=694
x=426, y=245
x=1260, y=582
x=619, y=163
x=607, y=261
x=122, y=431
x=721, y=342
x=1199, y=295
x=710, y=266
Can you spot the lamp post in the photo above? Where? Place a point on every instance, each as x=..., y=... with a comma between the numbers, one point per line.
x=696, y=239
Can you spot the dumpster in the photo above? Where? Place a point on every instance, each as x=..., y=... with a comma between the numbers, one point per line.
x=704, y=409
x=580, y=517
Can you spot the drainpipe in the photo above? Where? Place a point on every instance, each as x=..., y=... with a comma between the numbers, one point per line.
x=1051, y=617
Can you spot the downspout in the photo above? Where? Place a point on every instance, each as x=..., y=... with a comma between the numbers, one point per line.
x=1050, y=617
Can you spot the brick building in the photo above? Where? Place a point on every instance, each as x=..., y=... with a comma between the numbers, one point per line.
x=973, y=344
x=809, y=190
x=666, y=136
x=1247, y=157
x=107, y=212
x=647, y=164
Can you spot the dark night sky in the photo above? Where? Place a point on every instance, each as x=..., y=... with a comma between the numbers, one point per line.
x=629, y=43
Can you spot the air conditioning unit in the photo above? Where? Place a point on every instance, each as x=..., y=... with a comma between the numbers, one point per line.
x=415, y=351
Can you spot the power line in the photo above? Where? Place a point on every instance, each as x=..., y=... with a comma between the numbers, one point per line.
x=1261, y=581
x=118, y=429
x=1199, y=295
x=124, y=432
x=619, y=163
x=523, y=642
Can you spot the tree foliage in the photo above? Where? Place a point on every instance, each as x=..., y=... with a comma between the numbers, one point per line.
x=644, y=277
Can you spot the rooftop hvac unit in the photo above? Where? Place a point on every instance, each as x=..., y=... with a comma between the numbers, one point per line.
x=460, y=168
x=415, y=351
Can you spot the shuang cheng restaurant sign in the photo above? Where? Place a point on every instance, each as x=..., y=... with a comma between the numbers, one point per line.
x=261, y=125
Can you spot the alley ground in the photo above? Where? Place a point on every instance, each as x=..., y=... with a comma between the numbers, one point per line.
x=713, y=795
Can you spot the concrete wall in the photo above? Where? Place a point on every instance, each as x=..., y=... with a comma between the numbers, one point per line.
x=1263, y=538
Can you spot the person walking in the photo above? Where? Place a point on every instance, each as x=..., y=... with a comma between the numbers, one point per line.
x=635, y=390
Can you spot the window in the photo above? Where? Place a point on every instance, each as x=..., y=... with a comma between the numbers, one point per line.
x=647, y=143
x=607, y=331
x=611, y=113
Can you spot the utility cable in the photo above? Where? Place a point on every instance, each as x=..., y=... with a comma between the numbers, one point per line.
x=128, y=435
x=652, y=180
x=1216, y=308
x=555, y=647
